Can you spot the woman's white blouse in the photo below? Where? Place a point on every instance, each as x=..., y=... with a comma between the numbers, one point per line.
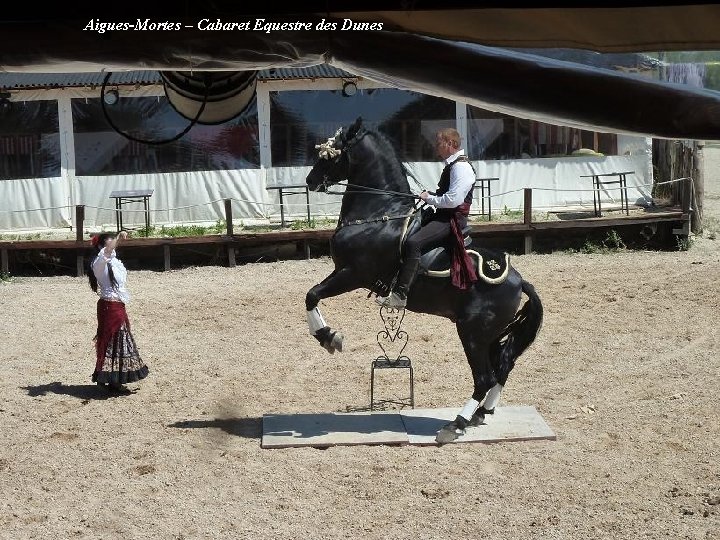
x=105, y=287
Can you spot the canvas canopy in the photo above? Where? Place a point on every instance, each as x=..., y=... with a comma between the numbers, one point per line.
x=465, y=54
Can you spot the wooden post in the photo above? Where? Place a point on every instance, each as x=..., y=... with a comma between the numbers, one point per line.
x=303, y=245
x=527, y=219
x=228, y=217
x=166, y=256
x=698, y=195
x=79, y=221
x=4, y=263
x=79, y=226
x=229, y=231
x=687, y=196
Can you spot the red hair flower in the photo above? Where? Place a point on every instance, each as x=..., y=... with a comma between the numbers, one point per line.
x=95, y=239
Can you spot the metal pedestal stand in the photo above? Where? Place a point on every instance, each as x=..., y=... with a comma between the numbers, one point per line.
x=392, y=338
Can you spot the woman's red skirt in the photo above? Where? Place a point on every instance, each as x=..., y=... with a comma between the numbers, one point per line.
x=118, y=360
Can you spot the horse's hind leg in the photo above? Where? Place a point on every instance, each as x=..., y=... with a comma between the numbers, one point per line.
x=338, y=282
x=477, y=351
x=502, y=364
x=502, y=367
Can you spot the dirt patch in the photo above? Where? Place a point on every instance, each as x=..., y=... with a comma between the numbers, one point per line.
x=625, y=371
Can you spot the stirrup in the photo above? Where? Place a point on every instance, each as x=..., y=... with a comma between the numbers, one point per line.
x=393, y=300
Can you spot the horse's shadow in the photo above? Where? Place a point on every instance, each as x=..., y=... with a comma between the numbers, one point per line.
x=314, y=425
x=81, y=391
x=393, y=421
x=248, y=428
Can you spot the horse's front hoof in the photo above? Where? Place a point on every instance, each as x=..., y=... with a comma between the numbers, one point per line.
x=337, y=341
x=449, y=433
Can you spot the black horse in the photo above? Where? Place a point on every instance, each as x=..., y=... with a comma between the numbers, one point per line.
x=377, y=208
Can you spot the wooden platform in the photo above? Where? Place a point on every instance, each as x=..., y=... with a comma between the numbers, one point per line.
x=409, y=426
x=528, y=230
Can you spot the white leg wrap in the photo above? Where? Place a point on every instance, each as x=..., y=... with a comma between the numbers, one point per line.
x=315, y=321
x=493, y=397
x=469, y=409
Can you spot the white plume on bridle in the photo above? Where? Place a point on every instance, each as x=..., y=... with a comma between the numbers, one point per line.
x=327, y=149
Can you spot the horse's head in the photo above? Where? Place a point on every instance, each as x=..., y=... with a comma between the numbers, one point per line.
x=333, y=164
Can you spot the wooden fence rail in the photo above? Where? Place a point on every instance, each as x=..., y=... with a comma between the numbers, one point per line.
x=528, y=229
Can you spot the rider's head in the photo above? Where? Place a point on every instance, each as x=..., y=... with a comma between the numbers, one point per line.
x=447, y=142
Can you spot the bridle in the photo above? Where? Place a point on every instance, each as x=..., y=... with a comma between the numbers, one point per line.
x=329, y=151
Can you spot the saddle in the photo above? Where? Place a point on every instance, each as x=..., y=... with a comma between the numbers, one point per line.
x=492, y=266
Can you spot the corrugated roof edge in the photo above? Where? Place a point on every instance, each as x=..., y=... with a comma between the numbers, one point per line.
x=30, y=81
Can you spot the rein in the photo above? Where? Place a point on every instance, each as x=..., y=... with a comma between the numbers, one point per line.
x=345, y=222
x=329, y=151
x=368, y=189
x=373, y=191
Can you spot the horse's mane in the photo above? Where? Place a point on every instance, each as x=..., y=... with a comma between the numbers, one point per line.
x=383, y=141
x=388, y=148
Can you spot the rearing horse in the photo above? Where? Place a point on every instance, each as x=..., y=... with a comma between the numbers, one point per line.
x=366, y=250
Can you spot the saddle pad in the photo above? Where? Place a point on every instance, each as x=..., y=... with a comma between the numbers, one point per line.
x=492, y=266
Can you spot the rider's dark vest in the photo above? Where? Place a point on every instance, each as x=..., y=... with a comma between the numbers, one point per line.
x=444, y=186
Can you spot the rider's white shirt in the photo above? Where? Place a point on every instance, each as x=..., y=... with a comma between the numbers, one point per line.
x=462, y=180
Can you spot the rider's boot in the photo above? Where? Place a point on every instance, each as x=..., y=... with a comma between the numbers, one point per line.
x=398, y=298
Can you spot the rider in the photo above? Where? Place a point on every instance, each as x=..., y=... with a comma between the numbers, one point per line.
x=452, y=200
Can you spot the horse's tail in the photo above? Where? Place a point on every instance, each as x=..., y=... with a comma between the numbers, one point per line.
x=518, y=335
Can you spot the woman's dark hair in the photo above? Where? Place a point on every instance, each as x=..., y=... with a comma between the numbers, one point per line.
x=99, y=241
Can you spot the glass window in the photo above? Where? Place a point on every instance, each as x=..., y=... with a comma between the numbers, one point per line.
x=29, y=140
x=494, y=135
x=548, y=140
x=300, y=119
x=99, y=150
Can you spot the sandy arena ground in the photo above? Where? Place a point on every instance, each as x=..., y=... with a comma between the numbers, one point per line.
x=625, y=371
